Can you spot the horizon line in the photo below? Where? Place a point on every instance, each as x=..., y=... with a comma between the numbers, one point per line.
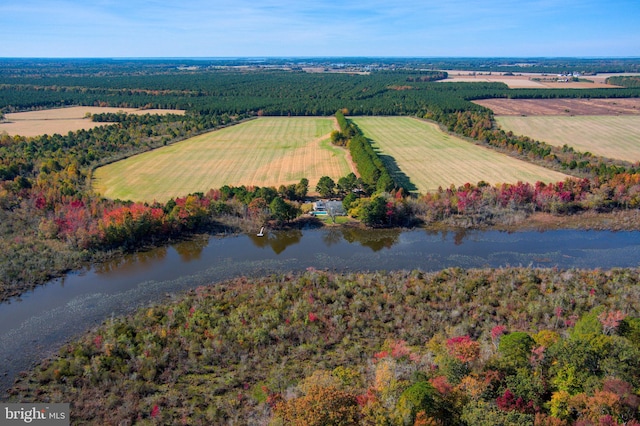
x=265, y=57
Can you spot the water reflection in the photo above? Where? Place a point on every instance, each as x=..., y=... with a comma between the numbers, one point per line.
x=332, y=236
x=138, y=260
x=278, y=241
x=458, y=235
x=375, y=240
x=187, y=251
x=191, y=250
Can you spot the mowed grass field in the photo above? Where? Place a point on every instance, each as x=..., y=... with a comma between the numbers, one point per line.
x=432, y=158
x=269, y=151
x=606, y=135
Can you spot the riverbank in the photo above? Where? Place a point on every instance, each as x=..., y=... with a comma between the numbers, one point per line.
x=623, y=220
x=49, y=258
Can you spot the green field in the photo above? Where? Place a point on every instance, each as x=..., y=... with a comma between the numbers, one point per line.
x=263, y=152
x=606, y=135
x=432, y=158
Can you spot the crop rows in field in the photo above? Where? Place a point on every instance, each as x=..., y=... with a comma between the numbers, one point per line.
x=568, y=107
x=432, y=158
x=608, y=136
x=270, y=151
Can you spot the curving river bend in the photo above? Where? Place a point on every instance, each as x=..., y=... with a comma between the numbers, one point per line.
x=41, y=321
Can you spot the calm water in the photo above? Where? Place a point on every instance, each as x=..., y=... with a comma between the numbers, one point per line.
x=42, y=320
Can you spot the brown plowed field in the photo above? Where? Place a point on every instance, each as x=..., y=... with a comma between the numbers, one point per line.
x=527, y=107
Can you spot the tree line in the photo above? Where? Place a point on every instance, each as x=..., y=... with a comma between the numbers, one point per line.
x=624, y=81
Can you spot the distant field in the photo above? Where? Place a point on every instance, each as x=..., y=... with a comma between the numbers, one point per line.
x=263, y=152
x=618, y=106
x=63, y=120
x=431, y=158
x=527, y=80
x=609, y=136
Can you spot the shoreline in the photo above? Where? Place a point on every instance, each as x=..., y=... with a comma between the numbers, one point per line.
x=624, y=220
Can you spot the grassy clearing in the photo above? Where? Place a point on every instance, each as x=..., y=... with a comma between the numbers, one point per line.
x=64, y=120
x=431, y=158
x=609, y=136
x=264, y=152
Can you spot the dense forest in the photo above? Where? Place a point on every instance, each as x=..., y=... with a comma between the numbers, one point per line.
x=272, y=93
x=513, y=346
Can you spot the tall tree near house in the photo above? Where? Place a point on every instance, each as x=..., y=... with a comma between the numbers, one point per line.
x=283, y=211
x=375, y=212
x=325, y=187
x=347, y=183
x=302, y=188
x=278, y=209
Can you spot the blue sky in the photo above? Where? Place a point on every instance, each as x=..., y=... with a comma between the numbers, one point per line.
x=220, y=28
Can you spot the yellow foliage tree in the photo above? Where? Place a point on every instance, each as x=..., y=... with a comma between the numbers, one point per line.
x=559, y=405
x=320, y=406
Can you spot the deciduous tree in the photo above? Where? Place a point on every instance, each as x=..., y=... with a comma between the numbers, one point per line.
x=325, y=186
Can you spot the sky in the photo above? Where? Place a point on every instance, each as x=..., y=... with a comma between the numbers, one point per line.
x=301, y=28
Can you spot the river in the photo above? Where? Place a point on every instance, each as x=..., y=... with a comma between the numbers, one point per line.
x=41, y=321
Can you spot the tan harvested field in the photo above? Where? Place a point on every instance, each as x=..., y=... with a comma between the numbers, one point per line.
x=269, y=151
x=605, y=135
x=526, y=80
x=432, y=158
x=64, y=120
x=606, y=127
x=529, y=107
